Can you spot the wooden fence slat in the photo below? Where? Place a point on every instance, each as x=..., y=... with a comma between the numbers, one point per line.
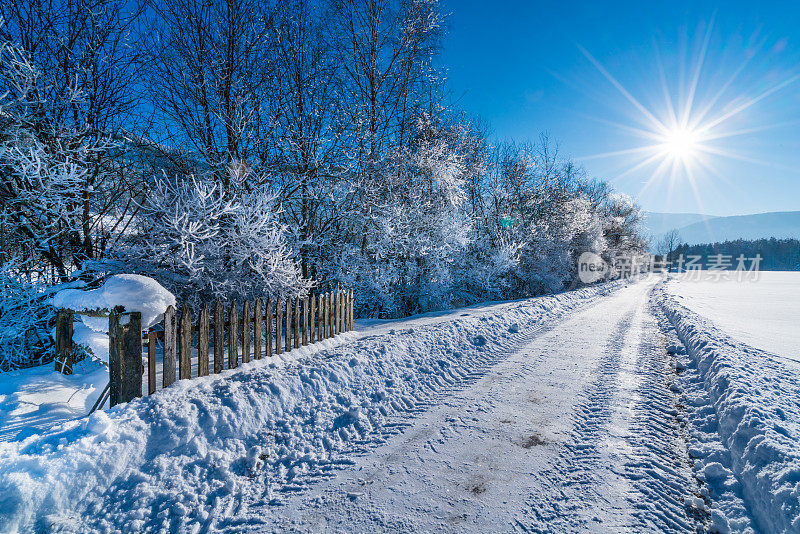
x=352, y=318
x=233, y=335
x=279, y=326
x=288, y=330
x=152, y=338
x=64, y=353
x=297, y=322
x=339, y=311
x=185, y=343
x=305, y=321
x=333, y=313
x=257, y=321
x=246, y=332
x=124, y=355
x=202, y=342
x=170, y=341
x=269, y=327
x=219, y=337
x=312, y=324
x=326, y=301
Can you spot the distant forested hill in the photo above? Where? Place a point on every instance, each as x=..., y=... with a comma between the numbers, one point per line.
x=776, y=254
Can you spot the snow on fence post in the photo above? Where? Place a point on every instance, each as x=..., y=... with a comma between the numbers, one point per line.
x=269, y=327
x=279, y=326
x=170, y=341
x=257, y=322
x=246, y=332
x=64, y=354
x=202, y=342
x=124, y=355
x=288, y=330
x=233, y=335
x=219, y=337
x=312, y=324
x=305, y=321
x=297, y=322
x=151, y=362
x=185, y=343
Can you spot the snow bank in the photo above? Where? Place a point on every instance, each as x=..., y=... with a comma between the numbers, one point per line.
x=134, y=291
x=196, y=452
x=751, y=399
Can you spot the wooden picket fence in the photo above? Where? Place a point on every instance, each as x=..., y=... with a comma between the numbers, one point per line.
x=262, y=330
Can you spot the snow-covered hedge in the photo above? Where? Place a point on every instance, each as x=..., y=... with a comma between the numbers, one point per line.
x=753, y=402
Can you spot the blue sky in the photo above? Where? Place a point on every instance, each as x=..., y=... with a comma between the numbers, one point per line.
x=529, y=67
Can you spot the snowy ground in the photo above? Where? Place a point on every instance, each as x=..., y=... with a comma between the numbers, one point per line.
x=557, y=414
x=742, y=402
x=764, y=313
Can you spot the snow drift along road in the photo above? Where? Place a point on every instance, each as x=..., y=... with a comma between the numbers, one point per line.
x=744, y=414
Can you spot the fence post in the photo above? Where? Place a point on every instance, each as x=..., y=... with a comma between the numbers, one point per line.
x=288, y=330
x=246, y=332
x=202, y=342
x=339, y=311
x=279, y=326
x=219, y=337
x=65, y=358
x=170, y=335
x=151, y=362
x=352, y=317
x=326, y=302
x=335, y=313
x=297, y=322
x=347, y=310
x=305, y=321
x=269, y=327
x=233, y=335
x=257, y=322
x=124, y=355
x=185, y=345
x=312, y=324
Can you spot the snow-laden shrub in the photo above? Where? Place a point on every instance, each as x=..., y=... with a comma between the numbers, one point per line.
x=202, y=243
x=25, y=318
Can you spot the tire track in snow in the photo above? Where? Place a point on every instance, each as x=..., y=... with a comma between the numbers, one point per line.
x=626, y=413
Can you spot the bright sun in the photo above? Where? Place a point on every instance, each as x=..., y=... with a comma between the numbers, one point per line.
x=680, y=143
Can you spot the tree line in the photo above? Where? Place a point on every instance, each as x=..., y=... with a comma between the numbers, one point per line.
x=775, y=254
x=237, y=148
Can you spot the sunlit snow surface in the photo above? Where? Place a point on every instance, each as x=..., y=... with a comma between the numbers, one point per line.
x=764, y=313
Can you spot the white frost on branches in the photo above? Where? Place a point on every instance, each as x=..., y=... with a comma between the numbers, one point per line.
x=202, y=243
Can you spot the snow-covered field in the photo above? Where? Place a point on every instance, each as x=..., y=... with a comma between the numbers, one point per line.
x=764, y=313
x=742, y=400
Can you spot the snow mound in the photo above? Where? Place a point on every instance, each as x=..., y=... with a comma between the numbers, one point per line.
x=744, y=423
x=133, y=291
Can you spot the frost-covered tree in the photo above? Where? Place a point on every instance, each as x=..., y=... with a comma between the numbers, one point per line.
x=203, y=243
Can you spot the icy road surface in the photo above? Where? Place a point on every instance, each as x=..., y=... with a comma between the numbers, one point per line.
x=574, y=430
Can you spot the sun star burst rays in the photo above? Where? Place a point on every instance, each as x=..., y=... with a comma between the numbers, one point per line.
x=684, y=141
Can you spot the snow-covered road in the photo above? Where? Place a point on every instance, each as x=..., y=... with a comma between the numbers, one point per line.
x=575, y=429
